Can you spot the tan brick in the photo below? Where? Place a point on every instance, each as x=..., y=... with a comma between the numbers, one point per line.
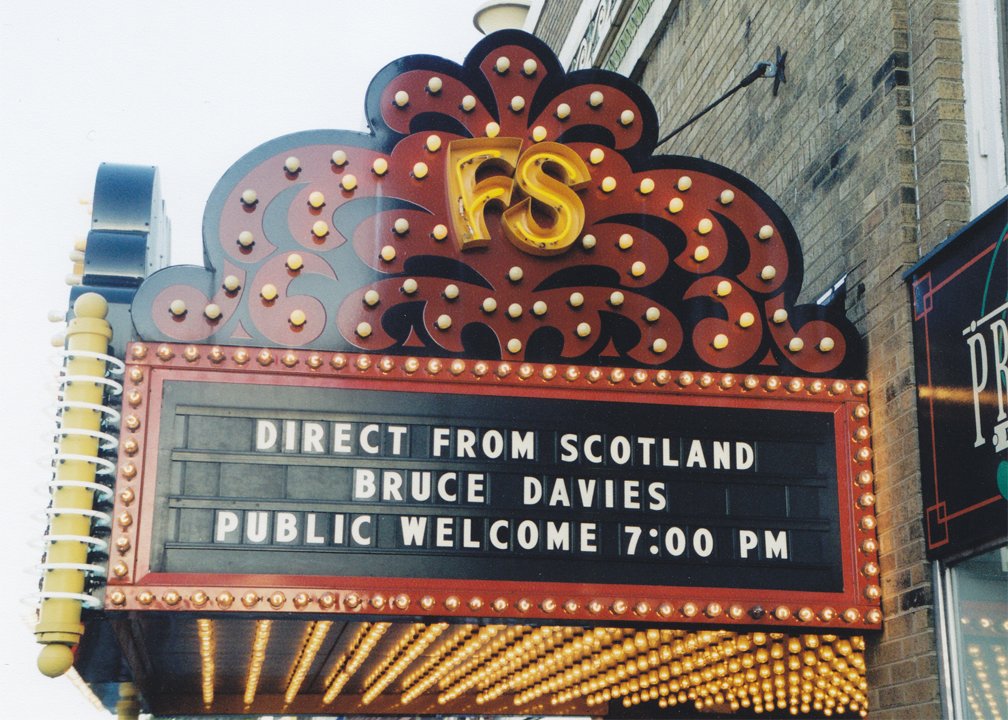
x=883, y=80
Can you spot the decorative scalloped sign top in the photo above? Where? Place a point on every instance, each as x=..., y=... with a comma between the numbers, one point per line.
x=501, y=208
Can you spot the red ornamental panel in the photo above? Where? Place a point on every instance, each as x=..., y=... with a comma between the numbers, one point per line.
x=261, y=480
x=500, y=209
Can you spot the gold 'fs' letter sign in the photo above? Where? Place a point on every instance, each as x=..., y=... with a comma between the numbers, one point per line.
x=546, y=175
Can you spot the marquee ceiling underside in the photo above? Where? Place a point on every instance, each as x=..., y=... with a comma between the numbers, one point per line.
x=331, y=666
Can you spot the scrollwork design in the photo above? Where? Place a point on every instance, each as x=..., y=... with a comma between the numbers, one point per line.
x=340, y=240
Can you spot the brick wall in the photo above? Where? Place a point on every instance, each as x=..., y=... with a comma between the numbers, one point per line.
x=865, y=150
x=555, y=21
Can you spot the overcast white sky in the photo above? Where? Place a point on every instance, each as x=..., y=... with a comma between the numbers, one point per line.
x=186, y=85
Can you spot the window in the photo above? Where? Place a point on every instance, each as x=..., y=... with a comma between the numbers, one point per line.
x=976, y=638
x=986, y=102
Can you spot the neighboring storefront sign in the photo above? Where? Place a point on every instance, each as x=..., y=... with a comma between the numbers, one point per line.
x=960, y=295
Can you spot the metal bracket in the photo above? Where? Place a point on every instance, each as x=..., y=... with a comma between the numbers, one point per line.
x=776, y=69
x=764, y=68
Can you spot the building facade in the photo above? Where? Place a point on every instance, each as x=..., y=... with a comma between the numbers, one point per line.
x=387, y=450
x=887, y=138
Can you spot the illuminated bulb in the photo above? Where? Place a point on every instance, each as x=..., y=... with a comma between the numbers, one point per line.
x=339, y=157
x=625, y=241
x=489, y=305
x=409, y=286
x=320, y=228
x=249, y=197
x=626, y=118
x=746, y=319
x=295, y=262
x=434, y=85
x=796, y=344
x=826, y=344
x=675, y=205
x=616, y=298
x=388, y=253
x=444, y=322
x=539, y=133
x=539, y=308
x=298, y=318
x=701, y=253
x=596, y=98
x=583, y=329
x=379, y=166
x=720, y=341
x=316, y=199
x=177, y=308
x=268, y=292
x=517, y=103
x=515, y=273
x=727, y=196
x=440, y=232
x=529, y=67
x=246, y=239
x=768, y=273
x=647, y=186
x=652, y=314
x=401, y=98
x=451, y=292
x=502, y=65
x=514, y=346
x=468, y=103
x=576, y=299
x=212, y=311
x=723, y=289
x=364, y=329
x=638, y=269
x=608, y=184
x=401, y=226
x=588, y=242
x=685, y=183
x=514, y=310
x=659, y=346
x=420, y=170
x=705, y=226
x=433, y=143
x=348, y=183
x=780, y=316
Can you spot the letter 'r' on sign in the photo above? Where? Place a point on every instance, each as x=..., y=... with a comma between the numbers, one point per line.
x=484, y=170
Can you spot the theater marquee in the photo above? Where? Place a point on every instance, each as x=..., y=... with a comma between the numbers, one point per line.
x=485, y=410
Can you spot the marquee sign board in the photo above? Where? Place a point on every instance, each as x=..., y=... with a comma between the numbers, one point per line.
x=436, y=371
x=960, y=296
x=389, y=485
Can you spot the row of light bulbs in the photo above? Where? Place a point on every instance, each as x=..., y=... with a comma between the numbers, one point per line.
x=714, y=670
